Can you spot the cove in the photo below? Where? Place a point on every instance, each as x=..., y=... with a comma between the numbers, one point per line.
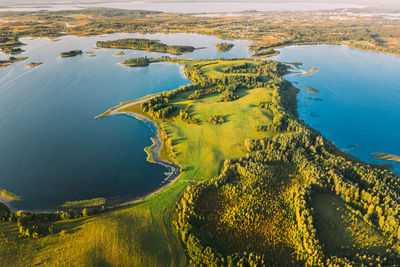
x=356, y=104
x=52, y=149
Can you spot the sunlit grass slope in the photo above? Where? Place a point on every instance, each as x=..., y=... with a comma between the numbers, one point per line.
x=136, y=235
x=201, y=148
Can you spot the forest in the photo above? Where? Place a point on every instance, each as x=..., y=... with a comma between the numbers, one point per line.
x=136, y=62
x=258, y=210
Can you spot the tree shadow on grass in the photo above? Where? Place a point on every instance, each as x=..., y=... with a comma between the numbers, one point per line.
x=70, y=227
x=226, y=117
x=177, y=141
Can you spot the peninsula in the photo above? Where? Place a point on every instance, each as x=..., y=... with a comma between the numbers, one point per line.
x=270, y=158
x=9, y=196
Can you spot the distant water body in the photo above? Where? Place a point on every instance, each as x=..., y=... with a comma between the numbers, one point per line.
x=358, y=103
x=197, y=7
x=52, y=149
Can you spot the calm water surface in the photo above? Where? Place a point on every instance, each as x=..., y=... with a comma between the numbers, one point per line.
x=358, y=104
x=53, y=150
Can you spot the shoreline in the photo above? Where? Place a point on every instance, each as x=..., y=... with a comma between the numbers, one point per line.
x=174, y=170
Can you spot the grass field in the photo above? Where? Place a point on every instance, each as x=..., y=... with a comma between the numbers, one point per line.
x=139, y=234
x=215, y=69
x=201, y=148
x=341, y=232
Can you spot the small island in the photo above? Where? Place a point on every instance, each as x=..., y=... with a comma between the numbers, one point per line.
x=5, y=63
x=34, y=64
x=136, y=62
x=146, y=45
x=120, y=53
x=311, y=89
x=303, y=72
x=266, y=53
x=386, y=156
x=9, y=196
x=71, y=53
x=224, y=47
x=94, y=202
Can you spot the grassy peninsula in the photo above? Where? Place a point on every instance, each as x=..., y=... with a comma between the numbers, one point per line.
x=9, y=196
x=252, y=171
x=85, y=203
x=147, y=45
x=71, y=53
x=224, y=47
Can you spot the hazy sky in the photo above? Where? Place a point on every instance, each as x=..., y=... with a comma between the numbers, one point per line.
x=363, y=2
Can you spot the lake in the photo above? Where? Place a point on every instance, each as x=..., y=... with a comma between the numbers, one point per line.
x=52, y=148
x=358, y=103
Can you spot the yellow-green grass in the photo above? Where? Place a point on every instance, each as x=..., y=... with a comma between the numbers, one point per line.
x=34, y=64
x=139, y=234
x=10, y=196
x=85, y=203
x=214, y=69
x=200, y=149
x=343, y=233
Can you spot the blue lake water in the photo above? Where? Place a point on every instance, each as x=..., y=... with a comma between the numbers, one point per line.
x=52, y=149
x=358, y=104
